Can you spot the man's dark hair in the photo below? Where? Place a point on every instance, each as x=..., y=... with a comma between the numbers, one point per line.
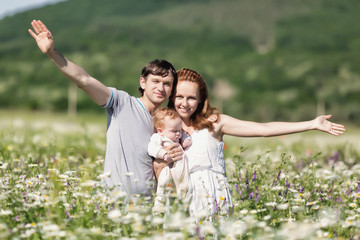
x=158, y=67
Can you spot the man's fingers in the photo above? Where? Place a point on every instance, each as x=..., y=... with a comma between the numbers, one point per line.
x=38, y=26
x=32, y=33
x=35, y=26
x=43, y=27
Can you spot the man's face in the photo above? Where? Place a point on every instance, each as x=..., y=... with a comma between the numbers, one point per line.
x=157, y=89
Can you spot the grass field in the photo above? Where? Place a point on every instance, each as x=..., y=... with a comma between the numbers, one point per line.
x=303, y=186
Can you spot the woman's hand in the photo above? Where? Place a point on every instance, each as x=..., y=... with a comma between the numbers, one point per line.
x=42, y=35
x=321, y=123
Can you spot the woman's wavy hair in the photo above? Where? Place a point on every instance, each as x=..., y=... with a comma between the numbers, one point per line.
x=200, y=118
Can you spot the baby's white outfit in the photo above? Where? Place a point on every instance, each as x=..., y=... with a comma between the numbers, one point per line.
x=178, y=173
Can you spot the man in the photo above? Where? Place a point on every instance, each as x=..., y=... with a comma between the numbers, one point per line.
x=129, y=125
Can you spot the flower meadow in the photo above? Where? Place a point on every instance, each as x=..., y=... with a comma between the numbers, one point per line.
x=51, y=171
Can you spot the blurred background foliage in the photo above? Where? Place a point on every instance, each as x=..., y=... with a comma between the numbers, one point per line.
x=263, y=60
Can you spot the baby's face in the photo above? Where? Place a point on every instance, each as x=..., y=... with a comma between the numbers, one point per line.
x=172, y=129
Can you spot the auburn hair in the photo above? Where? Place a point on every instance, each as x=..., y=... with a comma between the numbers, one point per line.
x=161, y=113
x=200, y=118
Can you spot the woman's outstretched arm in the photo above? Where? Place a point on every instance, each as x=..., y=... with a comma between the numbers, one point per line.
x=235, y=127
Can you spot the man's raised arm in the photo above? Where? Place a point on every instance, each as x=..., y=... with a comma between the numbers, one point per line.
x=97, y=91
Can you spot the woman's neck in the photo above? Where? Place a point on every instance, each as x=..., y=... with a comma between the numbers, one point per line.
x=187, y=127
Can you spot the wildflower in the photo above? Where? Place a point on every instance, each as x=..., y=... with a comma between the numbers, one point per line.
x=206, y=229
x=353, y=205
x=114, y=215
x=278, y=176
x=3, y=165
x=277, y=188
x=253, y=211
x=270, y=204
x=63, y=176
x=315, y=207
x=244, y=212
x=296, y=209
x=5, y=212
x=283, y=206
x=254, y=176
x=89, y=183
x=251, y=195
x=105, y=175
x=310, y=203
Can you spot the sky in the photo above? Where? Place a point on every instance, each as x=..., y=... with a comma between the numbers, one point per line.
x=9, y=7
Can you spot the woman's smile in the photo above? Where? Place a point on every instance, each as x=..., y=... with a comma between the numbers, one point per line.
x=186, y=98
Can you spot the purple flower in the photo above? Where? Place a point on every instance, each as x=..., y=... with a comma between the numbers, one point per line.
x=278, y=176
x=216, y=205
x=287, y=183
x=198, y=233
x=349, y=191
x=254, y=176
x=67, y=214
x=251, y=195
x=256, y=197
x=247, y=177
x=237, y=188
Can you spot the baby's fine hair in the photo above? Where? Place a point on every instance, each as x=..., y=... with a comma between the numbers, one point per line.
x=160, y=114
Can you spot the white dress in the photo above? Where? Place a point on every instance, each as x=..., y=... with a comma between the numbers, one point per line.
x=210, y=189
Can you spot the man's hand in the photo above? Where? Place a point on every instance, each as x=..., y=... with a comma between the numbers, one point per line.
x=174, y=151
x=42, y=35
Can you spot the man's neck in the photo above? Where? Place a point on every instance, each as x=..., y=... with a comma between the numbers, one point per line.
x=150, y=107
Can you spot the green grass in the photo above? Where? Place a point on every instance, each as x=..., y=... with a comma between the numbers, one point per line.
x=304, y=186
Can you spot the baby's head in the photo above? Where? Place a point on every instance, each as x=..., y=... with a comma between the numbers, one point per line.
x=167, y=123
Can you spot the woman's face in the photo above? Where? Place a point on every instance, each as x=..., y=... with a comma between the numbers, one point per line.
x=186, y=99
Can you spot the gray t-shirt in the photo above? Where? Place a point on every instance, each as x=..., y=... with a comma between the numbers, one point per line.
x=129, y=128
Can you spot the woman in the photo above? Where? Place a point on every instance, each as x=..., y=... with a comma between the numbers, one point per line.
x=207, y=128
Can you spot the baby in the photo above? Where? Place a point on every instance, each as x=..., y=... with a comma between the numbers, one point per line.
x=167, y=123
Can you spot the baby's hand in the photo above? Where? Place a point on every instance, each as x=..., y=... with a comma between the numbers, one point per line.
x=187, y=143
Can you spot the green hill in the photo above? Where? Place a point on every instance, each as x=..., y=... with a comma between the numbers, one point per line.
x=283, y=59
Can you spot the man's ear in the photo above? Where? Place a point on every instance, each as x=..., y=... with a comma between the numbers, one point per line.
x=142, y=82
